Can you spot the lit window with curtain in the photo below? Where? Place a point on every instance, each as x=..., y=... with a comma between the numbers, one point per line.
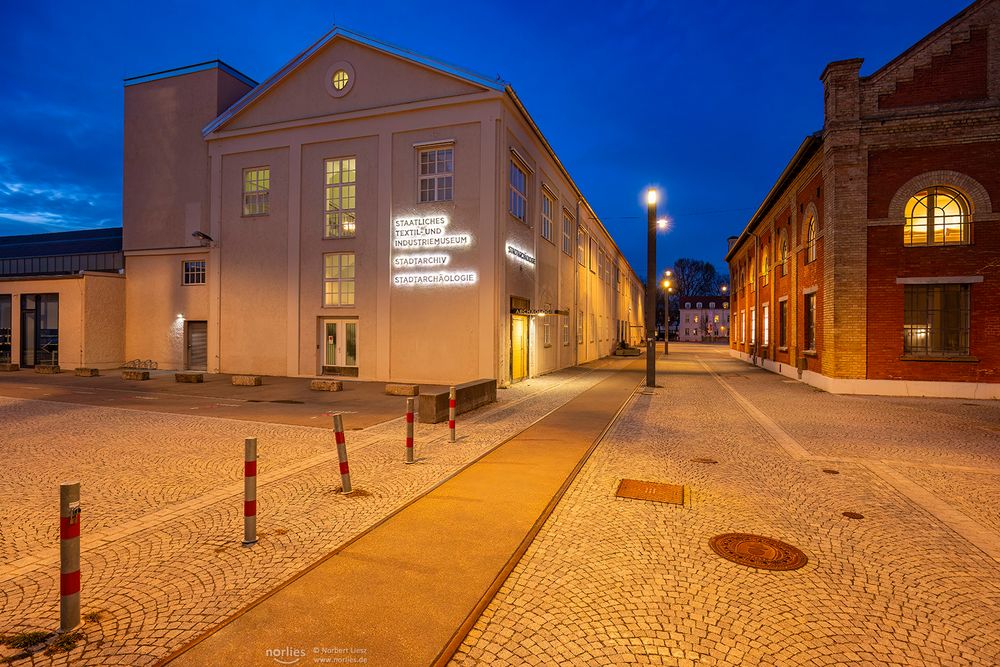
x=256, y=191
x=338, y=279
x=340, y=196
x=937, y=216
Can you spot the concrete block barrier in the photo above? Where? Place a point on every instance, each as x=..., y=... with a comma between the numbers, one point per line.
x=135, y=375
x=248, y=380
x=86, y=372
x=326, y=385
x=47, y=370
x=434, y=407
x=400, y=389
x=6, y=368
x=192, y=378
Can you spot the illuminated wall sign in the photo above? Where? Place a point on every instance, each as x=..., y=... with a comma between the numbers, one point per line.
x=425, y=233
x=520, y=254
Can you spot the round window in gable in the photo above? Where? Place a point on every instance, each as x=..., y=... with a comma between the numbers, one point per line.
x=339, y=79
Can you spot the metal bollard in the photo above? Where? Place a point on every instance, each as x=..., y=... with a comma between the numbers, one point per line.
x=345, y=471
x=409, y=430
x=249, y=491
x=69, y=556
x=451, y=414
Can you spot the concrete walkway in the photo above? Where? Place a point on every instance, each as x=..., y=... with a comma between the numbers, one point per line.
x=406, y=592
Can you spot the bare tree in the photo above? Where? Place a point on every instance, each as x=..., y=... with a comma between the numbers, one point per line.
x=696, y=277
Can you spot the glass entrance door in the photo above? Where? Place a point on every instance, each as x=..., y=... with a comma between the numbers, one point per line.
x=39, y=330
x=340, y=347
x=5, y=328
x=518, y=347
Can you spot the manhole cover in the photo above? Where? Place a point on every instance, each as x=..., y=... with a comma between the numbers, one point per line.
x=757, y=551
x=854, y=515
x=704, y=461
x=661, y=493
x=831, y=471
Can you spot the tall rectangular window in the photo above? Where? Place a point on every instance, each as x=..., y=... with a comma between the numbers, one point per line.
x=518, y=205
x=753, y=326
x=340, y=196
x=257, y=191
x=765, y=325
x=593, y=255
x=936, y=320
x=547, y=206
x=565, y=334
x=437, y=174
x=579, y=329
x=567, y=234
x=809, y=323
x=783, y=323
x=338, y=279
x=581, y=247
x=194, y=272
x=547, y=334
x=743, y=326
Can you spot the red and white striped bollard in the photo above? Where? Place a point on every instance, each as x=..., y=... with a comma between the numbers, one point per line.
x=451, y=414
x=409, y=430
x=345, y=470
x=249, y=491
x=69, y=556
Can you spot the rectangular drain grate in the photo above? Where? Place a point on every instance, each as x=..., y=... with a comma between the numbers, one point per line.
x=661, y=493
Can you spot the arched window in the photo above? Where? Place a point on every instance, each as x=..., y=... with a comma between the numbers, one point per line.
x=764, y=266
x=937, y=215
x=783, y=253
x=810, y=239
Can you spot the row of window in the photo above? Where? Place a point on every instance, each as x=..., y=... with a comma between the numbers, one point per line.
x=698, y=305
x=936, y=321
x=936, y=216
x=435, y=182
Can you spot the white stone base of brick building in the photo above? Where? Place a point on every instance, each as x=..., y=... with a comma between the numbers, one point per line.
x=928, y=389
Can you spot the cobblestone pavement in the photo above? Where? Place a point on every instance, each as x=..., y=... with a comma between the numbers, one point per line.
x=162, y=509
x=916, y=581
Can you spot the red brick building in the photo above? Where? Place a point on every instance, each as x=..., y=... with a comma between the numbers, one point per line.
x=873, y=264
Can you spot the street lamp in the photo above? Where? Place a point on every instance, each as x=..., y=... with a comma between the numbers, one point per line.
x=666, y=312
x=651, y=197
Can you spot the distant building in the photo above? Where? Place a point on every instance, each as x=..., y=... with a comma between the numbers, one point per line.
x=62, y=299
x=703, y=318
x=873, y=264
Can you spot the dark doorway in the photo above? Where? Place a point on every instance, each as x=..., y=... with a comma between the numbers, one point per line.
x=197, y=345
x=5, y=329
x=39, y=330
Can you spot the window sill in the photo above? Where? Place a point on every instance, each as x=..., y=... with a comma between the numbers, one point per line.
x=810, y=353
x=256, y=215
x=339, y=238
x=960, y=359
x=782, y=349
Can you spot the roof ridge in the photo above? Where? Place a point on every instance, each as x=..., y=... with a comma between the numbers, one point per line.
x=339, y=31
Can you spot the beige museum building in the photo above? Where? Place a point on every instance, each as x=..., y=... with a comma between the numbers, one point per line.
x=364, y=212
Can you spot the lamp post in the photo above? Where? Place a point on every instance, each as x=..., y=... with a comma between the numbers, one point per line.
x=666, y=312
x=651, y=288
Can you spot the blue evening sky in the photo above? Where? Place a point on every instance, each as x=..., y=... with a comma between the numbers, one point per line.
x=706, y=99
